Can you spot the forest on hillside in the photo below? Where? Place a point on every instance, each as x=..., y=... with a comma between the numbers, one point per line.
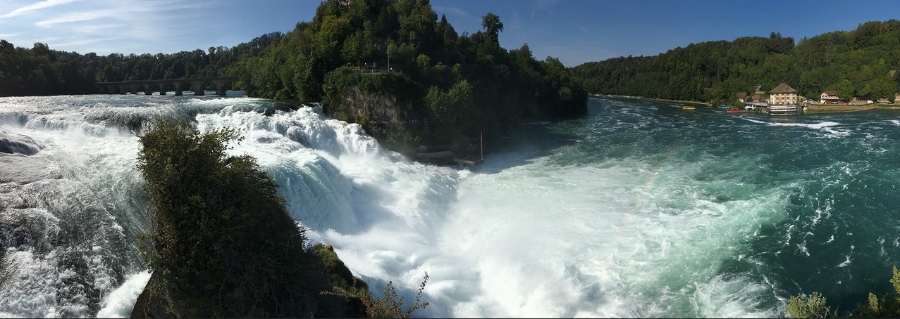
x=44, y=71
x=859, y=63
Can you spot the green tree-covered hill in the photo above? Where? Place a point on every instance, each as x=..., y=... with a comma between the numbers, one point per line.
x=862, y=63
x=43, y=71
x=396, y=68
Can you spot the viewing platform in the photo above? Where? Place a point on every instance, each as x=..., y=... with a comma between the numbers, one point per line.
x=783, y=110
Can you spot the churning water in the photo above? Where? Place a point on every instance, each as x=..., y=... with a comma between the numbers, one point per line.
x=628, y=212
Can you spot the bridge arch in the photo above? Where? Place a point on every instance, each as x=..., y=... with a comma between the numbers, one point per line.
x=198, y=85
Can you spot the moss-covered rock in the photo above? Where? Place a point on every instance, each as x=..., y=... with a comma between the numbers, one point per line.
x=223, y=244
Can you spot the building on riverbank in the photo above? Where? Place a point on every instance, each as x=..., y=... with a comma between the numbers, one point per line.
x=829, y=97
x=783, y=94
x=783, y=100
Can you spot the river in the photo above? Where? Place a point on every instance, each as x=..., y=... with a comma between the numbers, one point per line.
x=627, y=212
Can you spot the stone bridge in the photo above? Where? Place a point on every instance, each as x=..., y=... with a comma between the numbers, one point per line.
x=198, y=85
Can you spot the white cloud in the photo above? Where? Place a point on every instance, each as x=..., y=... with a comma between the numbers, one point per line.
x=117, y=25
x=78, y=17
x=122, y=26
x=546, y=5
x=34, y=7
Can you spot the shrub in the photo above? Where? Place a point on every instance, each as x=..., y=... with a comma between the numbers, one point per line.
x=389, y=306
x=222, y=241
x=813, y=306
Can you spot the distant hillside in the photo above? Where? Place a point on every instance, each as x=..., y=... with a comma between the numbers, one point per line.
x=862, y=63
x=43, y=71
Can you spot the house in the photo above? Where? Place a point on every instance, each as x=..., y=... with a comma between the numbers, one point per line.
x=757, y=98
x=783, y=94
x=830, y=97
x=741, y=96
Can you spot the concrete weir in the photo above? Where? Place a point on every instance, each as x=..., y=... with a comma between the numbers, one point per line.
x=198, y=85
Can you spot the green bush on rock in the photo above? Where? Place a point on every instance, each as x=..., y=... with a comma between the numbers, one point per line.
x=222, y=242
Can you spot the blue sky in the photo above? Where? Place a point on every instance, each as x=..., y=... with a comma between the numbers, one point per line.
x=575, y=31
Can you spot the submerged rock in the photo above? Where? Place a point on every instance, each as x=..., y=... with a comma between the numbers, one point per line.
x=18, y=144
x=25, y=169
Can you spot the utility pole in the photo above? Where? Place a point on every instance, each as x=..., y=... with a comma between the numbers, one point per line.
x=481, y=141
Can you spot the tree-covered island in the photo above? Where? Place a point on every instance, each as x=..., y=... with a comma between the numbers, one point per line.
x=409, y=78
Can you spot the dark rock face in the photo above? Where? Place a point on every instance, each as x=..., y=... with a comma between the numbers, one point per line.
x=339, y=276
x=151, y=302
x=154, y=302
x=18, y=144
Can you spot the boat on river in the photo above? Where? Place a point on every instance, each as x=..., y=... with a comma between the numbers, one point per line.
x=688, y=108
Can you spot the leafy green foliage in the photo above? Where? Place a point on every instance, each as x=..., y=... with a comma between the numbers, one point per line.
x=222, y=241
x=888, y=306
x=388, y=306
x=451, y=111
x=860, y=63
x=41, y=71
x=814, y=306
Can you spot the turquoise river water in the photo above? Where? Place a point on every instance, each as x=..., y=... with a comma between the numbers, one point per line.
x=627, y=212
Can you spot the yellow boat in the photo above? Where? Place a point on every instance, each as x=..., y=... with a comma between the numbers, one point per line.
x=687, y=108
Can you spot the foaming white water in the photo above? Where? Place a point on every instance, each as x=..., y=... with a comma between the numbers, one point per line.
x=379, y=210
x=826, y=126
x=729, y=298
x=532, y=239
x=591, y=241
x=519, y=236
x=121, y=301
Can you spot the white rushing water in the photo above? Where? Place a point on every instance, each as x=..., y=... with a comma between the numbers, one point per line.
x=519, y=236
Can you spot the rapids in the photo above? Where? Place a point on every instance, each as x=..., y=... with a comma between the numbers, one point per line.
x=627, y=212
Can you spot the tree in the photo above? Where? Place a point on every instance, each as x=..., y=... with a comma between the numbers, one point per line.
x=815, y=306
x=492, y=25
x=222, y=243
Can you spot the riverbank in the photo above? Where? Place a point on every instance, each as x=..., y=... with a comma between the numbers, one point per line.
x=842, y=108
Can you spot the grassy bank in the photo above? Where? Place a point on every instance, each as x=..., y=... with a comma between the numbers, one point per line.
x=823, y=108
